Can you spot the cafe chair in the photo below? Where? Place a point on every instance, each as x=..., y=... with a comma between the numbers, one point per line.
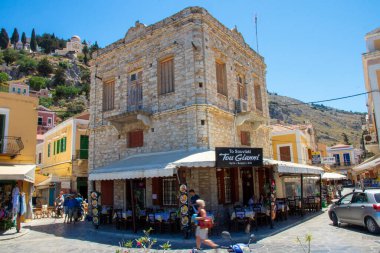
x=169, y=225
x=260, y=217
x=156, y=225
x=120, y=222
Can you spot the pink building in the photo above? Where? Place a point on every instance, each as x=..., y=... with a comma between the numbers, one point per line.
x=19, y=88
x=46, y=120
x=44, y=93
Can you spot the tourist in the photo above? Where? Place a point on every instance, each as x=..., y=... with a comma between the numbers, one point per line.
x=66, y=208
x=201, y=234
x=193, y=199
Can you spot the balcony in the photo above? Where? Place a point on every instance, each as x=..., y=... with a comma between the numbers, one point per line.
x=11, y=146
x=81, y=154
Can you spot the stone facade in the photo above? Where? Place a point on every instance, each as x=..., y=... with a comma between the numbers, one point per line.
x=195, y=115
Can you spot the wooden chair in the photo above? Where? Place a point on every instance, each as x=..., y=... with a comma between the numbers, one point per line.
x=169, y=225
x=240, y=220
x=153, y=223
x=260, y=217
x=120, y=222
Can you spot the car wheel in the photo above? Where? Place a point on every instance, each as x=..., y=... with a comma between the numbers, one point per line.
x=334, y=219
x=372, y=225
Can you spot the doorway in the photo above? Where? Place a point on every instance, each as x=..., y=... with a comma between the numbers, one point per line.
x=247, y=184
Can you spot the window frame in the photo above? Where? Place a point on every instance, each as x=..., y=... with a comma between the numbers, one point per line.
x=132, y=142
x=169, y=198
x=109, y=95
x=258, y=97
x=245, y=138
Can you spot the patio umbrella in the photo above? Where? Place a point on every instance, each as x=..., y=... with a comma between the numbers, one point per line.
x=333, y=176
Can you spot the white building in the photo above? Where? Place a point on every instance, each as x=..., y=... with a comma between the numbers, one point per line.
x=73, y=46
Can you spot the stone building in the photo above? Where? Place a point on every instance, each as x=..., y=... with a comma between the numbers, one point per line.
x=74, y=45
x=162, y=99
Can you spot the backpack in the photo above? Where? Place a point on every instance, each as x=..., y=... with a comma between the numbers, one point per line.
x=206, y=223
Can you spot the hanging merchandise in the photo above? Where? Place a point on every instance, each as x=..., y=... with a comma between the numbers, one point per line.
x=273, y=199
x=184, y=208
x=95, y=208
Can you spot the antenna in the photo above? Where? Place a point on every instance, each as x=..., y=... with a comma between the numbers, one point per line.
x=257, y=39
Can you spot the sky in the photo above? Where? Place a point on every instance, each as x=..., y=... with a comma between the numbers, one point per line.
x=312, y=49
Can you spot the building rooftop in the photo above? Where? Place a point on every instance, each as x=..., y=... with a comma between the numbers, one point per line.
x=373, y=32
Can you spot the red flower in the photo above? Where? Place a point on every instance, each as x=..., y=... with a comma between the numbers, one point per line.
x=138, y=244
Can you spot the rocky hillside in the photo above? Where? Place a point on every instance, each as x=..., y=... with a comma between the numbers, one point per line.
x=328, y=122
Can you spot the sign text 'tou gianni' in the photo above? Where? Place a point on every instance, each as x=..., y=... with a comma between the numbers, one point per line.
x=232, y=157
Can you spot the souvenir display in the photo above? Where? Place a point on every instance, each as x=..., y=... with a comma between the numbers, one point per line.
x=183, y=188
x=183, y=199
x=95, y=208
x=185, y=220
x=184, y=209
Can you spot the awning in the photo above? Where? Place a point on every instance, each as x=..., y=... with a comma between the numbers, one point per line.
x=332, y=175
x=371, y=163
x=45, y=184
x=161, y=164
x=288, y=167
x=23, y=172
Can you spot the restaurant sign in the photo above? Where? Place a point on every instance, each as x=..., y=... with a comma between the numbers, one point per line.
x=238, y=157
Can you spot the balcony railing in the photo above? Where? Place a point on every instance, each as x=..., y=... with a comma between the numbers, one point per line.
x=11, y=146
x=4, y=88
x=81, y=154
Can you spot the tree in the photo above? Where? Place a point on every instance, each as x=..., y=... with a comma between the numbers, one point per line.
x=94, y=47
x=37, y=83
x=4, y=39
x=15, y=38
x=44, y=67
x=85, y=51
x=59, y=77
x=26, y=64
x=10, y=56
x=33, y=41
x=345, y=139
x=23, y=40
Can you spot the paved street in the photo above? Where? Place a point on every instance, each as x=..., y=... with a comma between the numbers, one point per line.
x=47, y=235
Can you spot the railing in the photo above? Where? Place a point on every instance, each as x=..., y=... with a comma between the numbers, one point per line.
x=81, y=154
x=4, y=88
x=11, y=146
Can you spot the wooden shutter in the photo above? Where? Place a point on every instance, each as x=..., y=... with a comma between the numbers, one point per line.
x=309, y=153
x=258, y=98
x=136, y=139
x=245, y=138
x=108, y=95
x=234, y=185
x=157, y=189
x=220, y=185
x=221, y=78
x=285, y=154
x=166, y=76
x=107, y=192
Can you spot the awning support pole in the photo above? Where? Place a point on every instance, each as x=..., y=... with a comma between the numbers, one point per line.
x=320, y=191
x=133, y=207
x=301, y=194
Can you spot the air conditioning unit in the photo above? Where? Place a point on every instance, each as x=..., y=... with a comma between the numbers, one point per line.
x=241, y=105
x=370, y=138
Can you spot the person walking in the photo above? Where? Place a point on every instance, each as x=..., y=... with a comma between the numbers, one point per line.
x=201, y=234
x=339, y=188
x=71, y=205
x=66, y=209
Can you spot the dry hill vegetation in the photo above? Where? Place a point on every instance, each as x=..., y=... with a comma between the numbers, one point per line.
x=330, y=124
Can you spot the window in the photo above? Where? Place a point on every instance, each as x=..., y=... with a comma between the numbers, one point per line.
x=19, y=90
x=58, y=146
x=49, y=150
x=285, y=154
x=135, y=139
x=39, y=158
x=346, y=159
x=245, y=138
x=49, y=121
x=242, y=87
x=108, y=95
x=170, y=189
x=337, y=159
x=55, y=144
x=346, y=199
x=14, y=89
x=258, y=100
x=40, y=121
x=24, y=91
x=359, y=197
x=133, y=77
x=166, y=76
x=221, y=78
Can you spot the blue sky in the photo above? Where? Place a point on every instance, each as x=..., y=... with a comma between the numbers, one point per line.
x=312, y=48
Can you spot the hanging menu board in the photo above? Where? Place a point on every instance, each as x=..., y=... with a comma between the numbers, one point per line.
x=95, y=208
x=184, y=207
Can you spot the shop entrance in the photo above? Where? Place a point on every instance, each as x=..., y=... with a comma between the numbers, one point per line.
x=82, y=186
x=263, y=176
x=138, y=188
x=247, y=184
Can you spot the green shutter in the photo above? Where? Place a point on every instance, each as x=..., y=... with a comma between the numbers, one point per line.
x=83, y=153
x=49, y=150
x=58, y=146
x=54, y=148
x=62, y=150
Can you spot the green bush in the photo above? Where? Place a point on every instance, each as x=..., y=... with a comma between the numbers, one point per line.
x=37, y=82
x=47, y=102
x=27, y=64
x=65, y=92
x=4, y=77
x=64, y=64
x=10, y=56
x=44, y=67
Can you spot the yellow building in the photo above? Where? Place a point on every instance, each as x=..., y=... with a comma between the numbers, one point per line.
x=344, y=158
x=64, y=157
x=293, y=143
x=18, y=129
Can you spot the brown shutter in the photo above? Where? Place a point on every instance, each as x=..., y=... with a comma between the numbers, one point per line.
x=285, y=154
x=107, y=192
x=220, y=186
x=234, y=185
x=309, y=153
x=157, y=189
x=258, y=99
